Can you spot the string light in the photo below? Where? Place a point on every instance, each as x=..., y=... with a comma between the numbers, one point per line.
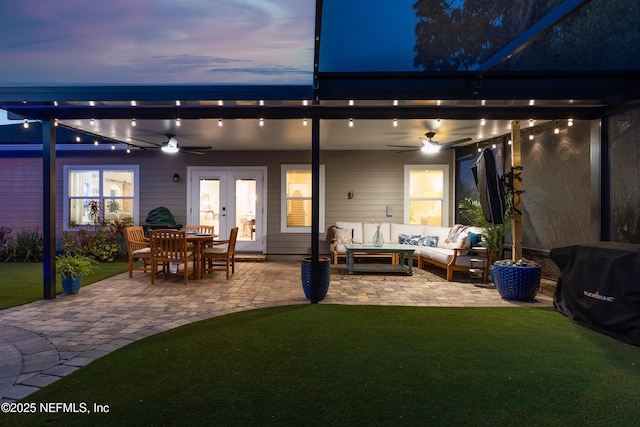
x=77, y=139
x=350, y=123
x=220, y=103
x=178, y=103
x=134, y=103
x=92, y=103
x=395, y=102
x=133, y=122
x=305, y=102
x=570, y=122
x=178, y=121
x=220, y=123
x=483, y=122
x=92, y=122
x=261, y=102
x=530, y=122
x=128, y=150
x=95, y=142
x=25, y=124
x=113, y=147
x=304, y=122
x=55, y=122
x=395, y=123
x=261, y=123
x=351, y=103
x=557, y=129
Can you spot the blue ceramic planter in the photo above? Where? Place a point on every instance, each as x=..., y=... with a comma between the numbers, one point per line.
x=71, y=284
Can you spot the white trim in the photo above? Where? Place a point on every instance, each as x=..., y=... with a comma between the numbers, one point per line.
x=445, y=190
x=283, y=198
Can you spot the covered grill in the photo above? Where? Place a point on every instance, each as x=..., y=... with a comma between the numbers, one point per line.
x=158, y=218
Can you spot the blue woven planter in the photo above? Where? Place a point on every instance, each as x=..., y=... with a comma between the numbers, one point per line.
x=71, y=284
x=325, y=277
x=517, y=283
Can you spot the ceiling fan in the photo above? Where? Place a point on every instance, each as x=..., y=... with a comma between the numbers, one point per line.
x=429, y=145
x=171, y=146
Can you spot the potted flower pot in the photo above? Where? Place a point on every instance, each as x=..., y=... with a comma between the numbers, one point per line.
x=323, y=280
x=70, y=267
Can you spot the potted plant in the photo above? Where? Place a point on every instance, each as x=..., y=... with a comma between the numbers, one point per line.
x=517, y=280
x=71, y=267
x=492, y=234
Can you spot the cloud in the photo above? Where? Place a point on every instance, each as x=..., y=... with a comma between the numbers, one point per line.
x=152, y=41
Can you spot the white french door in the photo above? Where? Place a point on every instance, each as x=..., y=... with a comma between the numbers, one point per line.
x=230, y=197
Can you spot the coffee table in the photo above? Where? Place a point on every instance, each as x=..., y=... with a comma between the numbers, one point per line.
x=403, y=266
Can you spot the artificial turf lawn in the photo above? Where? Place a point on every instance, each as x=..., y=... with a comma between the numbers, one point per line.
x=22, y=282
x=355, y=365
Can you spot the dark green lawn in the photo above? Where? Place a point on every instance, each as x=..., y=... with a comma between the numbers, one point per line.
x=329, y=365
x=21, y=283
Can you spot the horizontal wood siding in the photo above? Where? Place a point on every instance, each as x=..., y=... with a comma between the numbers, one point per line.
x=21, y=194
x=375, y=177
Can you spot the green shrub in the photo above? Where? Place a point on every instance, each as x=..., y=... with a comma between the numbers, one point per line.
x=27, y=246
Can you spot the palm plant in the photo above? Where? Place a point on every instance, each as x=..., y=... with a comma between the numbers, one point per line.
x=492, y=234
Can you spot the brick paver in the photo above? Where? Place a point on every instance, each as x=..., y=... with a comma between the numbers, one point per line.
x=45, y=340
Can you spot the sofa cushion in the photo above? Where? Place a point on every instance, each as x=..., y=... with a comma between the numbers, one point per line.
x=431, y=241
x=441, y=232
x=344, y=236
x=409, y=239
x=356, y=227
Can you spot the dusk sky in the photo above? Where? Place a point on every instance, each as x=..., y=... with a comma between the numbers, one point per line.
x=156, y=42
x=79, y=42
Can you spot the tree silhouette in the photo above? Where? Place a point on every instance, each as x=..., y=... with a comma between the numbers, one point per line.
x=458, y=35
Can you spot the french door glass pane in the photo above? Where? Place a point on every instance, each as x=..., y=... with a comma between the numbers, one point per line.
x=210, y=203
x=246, y=208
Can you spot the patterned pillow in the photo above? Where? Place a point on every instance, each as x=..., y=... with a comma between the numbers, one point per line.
x=406, y=239
x=344, y=236
x=431, y=241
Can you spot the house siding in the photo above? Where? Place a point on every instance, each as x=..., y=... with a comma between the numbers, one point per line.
x=376, y=178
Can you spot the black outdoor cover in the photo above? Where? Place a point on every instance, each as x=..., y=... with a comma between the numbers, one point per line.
x=599, y=288
x=490, y=188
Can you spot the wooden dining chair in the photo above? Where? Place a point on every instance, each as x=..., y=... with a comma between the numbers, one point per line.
x=137, y=248
x=170, y=246
x=204, y=229
x=225, y=253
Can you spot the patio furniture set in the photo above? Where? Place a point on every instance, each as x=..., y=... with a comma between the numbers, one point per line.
x=195, y=248
x=455, y=248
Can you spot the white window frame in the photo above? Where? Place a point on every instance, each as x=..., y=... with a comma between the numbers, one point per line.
x=67, y=169
x=284, y=228
x=445, y=190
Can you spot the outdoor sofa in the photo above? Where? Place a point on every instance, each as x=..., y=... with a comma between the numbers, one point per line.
x=451, y=248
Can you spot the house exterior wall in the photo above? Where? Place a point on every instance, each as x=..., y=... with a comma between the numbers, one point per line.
x=376, y=178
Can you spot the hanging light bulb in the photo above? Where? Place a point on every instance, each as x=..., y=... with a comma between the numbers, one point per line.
x=395, y=123
x=350, y=123
x=570, y=122
x=95, y=142
x=220, y=103
x=530, y=136
x=133, y=122
x=178, y=121
x=25, y=124
x=55, y=122
x=77, y=139
x=557, y=129
x=510, y=142
x=219, y=122
x=128, y=150
x=261, y=122
x=530, y=122
x=113, y=146
x=134, y=103
x=483, y=122
x=178, y=103
x=304, y=122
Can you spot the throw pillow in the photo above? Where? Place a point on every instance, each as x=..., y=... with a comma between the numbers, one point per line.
x=475, y=238
x=431, y=241
x=344, y=236
x=409, y=239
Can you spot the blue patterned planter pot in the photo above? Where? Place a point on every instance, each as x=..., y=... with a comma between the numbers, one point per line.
x=71, y=284
x=325, y=277
x=517, y=283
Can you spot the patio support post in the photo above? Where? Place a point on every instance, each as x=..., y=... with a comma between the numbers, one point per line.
x=315, y=208
x=49, y=209
x=516, y=220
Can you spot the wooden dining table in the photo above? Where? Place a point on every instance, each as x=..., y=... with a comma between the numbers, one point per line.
x=199, y=241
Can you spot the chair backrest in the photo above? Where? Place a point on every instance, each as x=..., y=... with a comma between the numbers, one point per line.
x=168, y=245
x=134, y=236
x=232, y=240
x=205, y=229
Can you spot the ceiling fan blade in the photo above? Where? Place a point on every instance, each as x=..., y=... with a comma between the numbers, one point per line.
x=459, y=142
